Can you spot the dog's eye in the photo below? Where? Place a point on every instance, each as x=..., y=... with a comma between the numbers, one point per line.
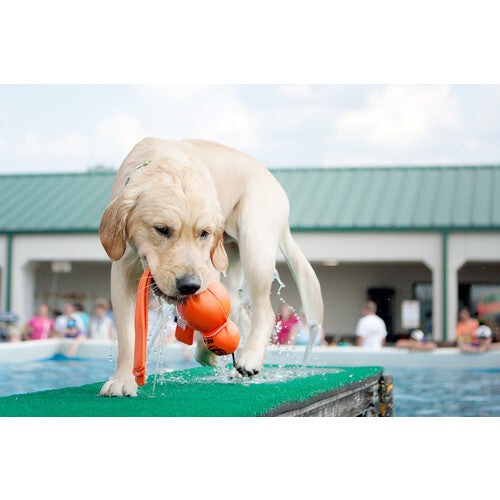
x=164, y=231
x=204, y=235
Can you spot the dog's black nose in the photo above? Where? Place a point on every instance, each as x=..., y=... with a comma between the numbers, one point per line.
x=187, y=285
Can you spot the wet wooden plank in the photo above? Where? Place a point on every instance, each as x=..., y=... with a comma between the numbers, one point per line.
x=361, y=399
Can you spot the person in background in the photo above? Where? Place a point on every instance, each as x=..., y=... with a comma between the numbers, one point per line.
x=62, y=320
x=101, y=326
x=416, y=342
x=302, y=333
x=9, y=331
x=286, y=325
x=110, y=313
x=466, y=327
x=482, y=340
x=79, y=310
x=344, y=342
x=370, y=330
x=39, y=326
x=73, y=331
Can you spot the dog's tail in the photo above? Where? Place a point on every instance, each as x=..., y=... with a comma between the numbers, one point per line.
x=305, y=278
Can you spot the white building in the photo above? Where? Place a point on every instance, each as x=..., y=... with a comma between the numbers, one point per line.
x=393, y=234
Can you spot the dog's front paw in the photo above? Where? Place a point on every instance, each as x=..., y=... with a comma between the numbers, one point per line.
x=205, y=357
x=249, y=361
x=234, y=373
x=120, y=386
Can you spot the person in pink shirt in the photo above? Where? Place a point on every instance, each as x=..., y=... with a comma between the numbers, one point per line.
x=286, y=326
x=40, y=326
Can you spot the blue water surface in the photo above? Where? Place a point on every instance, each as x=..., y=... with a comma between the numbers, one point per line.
x=59, y=372
x=417, y=393
x=446, y=393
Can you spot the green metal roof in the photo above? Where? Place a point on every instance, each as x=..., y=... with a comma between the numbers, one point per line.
x=393, y=198
x=54, y=202
x=374, y=198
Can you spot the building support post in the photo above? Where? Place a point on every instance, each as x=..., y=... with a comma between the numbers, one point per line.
x=444, y=265
x=8, y=271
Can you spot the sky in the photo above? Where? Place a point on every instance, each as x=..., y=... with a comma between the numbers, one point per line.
x=71, y=128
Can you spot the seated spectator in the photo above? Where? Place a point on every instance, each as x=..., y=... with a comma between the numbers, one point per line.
x=302, y=333
x=72, y=331
x=9, y=331
x=416, y=342
x=80, y=311
x=466, y=327
x=39, y=326
x=62, y=321
x=481, y=342
x=14, y=333
x=110, y=313
x=370, y=330
x=286, y=325
x=101, y=326
x=70, y=325
x=344, y=342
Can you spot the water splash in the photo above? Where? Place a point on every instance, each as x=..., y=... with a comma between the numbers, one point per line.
x=281, y=285
x=314, y=330
x=244, y=313
x=277, y=328
x=268, y=375
x=165, y=313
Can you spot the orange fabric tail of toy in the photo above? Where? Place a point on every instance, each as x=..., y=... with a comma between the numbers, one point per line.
x=141, y=327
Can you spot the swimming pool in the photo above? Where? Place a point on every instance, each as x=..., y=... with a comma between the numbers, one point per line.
x=446, y=393
x=417, y=392
x=59, y=372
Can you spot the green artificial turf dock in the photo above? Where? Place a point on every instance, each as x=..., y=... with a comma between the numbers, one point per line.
x=198, y=392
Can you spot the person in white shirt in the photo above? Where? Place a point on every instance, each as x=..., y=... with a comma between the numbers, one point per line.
x=370, y=330
x=101, y=326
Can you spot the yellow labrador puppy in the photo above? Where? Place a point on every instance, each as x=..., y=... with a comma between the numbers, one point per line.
x=191, y=210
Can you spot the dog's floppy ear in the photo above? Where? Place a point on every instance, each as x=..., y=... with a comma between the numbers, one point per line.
x=218, y=253
x=112, y=228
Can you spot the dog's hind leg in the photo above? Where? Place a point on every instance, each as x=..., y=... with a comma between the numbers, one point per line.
x=124, y=280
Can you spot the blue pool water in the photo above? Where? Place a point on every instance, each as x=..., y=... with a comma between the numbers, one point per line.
x=446, y=393
x=417, y=393
x=59, y=372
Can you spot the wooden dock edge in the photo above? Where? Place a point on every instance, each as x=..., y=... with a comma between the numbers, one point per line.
x=371, y=397
x=386, y=387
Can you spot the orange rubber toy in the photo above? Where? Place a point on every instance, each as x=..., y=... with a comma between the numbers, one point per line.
x=207, y=312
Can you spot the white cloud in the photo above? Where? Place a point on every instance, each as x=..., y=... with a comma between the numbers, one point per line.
x=296, y=91
x=69, y=145
x=30, y=147
x=399, y=119
x=109, y=143
x=208, y=112
x=114, y=137
x=285, y=125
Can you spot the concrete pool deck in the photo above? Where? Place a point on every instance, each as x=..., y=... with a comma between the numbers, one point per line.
x=388, y=357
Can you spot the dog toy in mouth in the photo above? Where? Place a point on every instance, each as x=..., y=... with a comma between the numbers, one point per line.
x=206, y=312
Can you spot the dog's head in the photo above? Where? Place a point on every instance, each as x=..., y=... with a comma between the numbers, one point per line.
x=175, y=223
